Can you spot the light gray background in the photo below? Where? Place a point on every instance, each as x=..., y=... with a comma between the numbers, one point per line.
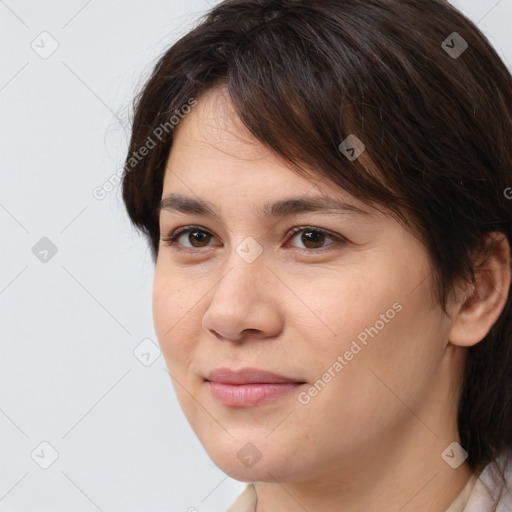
x=70, y=324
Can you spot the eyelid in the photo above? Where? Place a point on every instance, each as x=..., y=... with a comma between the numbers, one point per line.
x=171, y=240
x=338, y=238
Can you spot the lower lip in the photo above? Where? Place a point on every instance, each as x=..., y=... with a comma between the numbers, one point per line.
x=247, y=395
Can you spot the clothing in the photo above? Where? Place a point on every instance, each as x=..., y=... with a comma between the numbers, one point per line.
x=474, y=497
x=245, y=502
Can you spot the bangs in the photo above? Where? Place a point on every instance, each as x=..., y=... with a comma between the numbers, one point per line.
x=303, y=94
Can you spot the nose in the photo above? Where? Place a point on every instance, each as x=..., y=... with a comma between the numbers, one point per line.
x=244, y=301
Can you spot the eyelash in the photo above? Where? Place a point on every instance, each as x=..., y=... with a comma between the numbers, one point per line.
x=172, y=240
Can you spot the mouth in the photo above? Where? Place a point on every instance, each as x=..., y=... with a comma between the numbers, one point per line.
x=249, y=387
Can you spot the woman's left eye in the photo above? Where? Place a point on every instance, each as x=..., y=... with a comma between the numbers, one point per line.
x=312, y=238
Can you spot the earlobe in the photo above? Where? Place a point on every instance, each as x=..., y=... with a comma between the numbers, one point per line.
x=486, y=298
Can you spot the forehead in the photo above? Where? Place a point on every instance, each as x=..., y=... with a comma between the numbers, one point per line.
x=211, y=146
x=215, y=156
x=213, y=126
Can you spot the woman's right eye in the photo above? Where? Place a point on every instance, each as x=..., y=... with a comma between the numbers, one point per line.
x=196, y=234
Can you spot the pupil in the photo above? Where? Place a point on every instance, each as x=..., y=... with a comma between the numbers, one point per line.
x=202, y=236
x=311, y=236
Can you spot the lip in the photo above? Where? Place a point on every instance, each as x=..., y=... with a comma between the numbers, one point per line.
x=248, y=376
x=249, y=395
x=248, y=387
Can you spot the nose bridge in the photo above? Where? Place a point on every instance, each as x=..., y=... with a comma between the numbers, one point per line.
x=246, y=267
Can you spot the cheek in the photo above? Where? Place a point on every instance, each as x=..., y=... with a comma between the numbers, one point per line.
x=382, y=382
x=382, y=319
x=392, y=362
x=176, y=321
x=173, y=318
x=350, y=301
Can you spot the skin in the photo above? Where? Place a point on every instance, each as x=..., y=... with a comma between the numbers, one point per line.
x=372, y=438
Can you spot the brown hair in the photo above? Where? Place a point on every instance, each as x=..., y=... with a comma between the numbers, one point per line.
x=435, y=117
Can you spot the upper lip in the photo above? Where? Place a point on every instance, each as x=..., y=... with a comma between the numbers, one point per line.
x=247, y=376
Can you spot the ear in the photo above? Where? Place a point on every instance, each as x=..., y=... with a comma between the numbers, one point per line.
x=484, y=301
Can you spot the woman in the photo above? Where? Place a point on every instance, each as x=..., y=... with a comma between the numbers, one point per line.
x=324, y=188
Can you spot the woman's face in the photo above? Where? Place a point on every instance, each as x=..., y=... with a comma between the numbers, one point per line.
x=342, y=308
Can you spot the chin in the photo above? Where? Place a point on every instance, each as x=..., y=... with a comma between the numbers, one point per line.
x=247, y=461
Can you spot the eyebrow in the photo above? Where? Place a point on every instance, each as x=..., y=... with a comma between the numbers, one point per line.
x=278, y=209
